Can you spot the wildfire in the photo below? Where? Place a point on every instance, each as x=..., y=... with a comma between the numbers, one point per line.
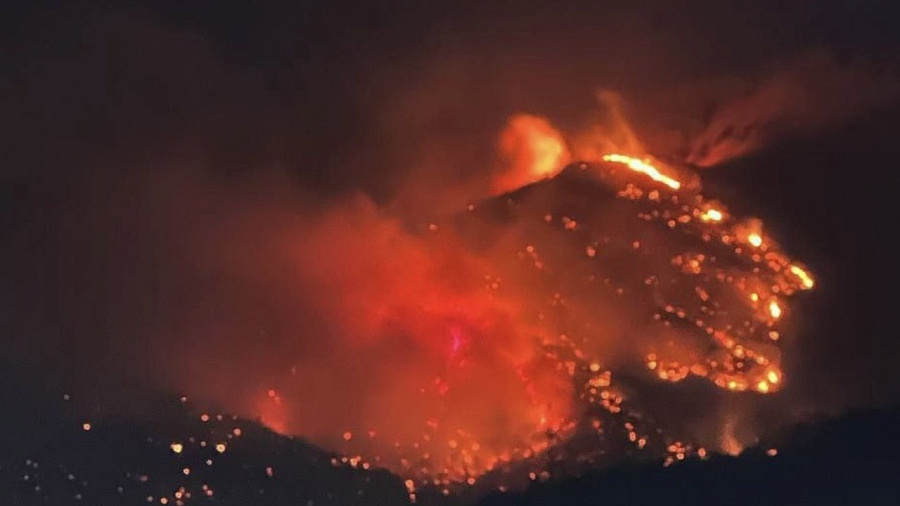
x=465, y=345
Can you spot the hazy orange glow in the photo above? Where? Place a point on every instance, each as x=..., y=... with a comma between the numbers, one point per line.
x=531, y=150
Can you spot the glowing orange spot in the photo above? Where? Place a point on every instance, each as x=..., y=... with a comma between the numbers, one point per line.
x=774, y=309
x=220, y=447
x=806, y=280
x=176, y=447
x=712, y=215
x=755, y=240
x=773, y=377
x=348, y=436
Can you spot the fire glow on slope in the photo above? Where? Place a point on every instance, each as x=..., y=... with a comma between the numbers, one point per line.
x=487, y=339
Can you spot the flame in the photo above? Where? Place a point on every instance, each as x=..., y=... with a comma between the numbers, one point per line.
x=774, y=309
x=806, y=280
x=755, y=240
x=643, y=167
x=532, y=150
x=712, y=214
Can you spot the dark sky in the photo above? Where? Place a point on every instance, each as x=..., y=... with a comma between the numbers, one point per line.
x=369, y=96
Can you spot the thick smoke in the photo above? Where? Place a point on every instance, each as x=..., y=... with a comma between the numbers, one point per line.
x=801, y=97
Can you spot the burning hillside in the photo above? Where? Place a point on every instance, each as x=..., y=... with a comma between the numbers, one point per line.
x=489, y=338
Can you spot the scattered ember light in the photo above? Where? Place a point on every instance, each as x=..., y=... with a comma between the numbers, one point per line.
x=712, y=215
x=774, y=309
x=176, y=447
x=805, y=278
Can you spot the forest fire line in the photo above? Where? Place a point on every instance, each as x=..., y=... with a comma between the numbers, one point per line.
x=643, y=167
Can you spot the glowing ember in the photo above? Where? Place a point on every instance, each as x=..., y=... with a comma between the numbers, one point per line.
x=712, y=215
x=806, y=280
x=774, y=309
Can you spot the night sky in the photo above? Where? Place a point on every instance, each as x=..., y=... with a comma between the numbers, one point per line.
x=157, y=157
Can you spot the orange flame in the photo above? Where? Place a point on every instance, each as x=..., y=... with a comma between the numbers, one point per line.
x=531, y=150
x=643, y=167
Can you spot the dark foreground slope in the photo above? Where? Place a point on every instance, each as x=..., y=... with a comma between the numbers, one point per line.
x=851, y=460
x=48, y=458
x=127, y=457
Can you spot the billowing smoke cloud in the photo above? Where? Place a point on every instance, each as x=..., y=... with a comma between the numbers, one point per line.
x=799, y=97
